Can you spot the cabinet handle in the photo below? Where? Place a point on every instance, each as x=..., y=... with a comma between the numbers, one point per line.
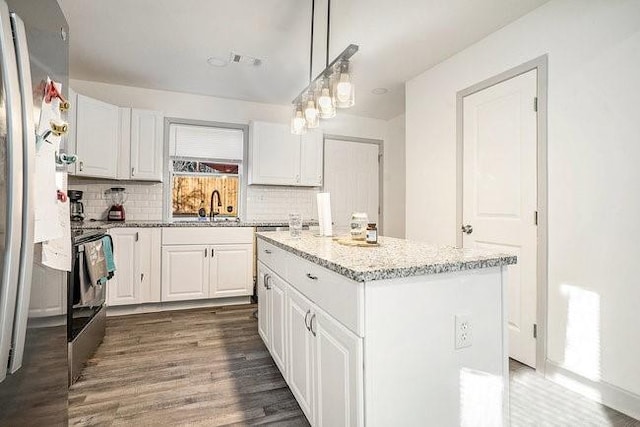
x=81, y=166
x=141, y=277
x=133, y=171
x=212, y=252
x=267, y=251
x=297, y=178
x=305, y=320
x=205, y=252
x=267, y=279
x=311, y=324
x=312, y=277
x=137, y=236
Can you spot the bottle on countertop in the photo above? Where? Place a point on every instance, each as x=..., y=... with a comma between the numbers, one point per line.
x=372, y=233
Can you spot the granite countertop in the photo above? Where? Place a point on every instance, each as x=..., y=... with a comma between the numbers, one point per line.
x=394, y=258
x=105, y=225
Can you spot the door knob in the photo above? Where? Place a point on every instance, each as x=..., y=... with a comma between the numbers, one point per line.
x=467, y=229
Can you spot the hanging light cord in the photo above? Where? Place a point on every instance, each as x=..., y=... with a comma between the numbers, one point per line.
x=328, y=31
x=313, y=14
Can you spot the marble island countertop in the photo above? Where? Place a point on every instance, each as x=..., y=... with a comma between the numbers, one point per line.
x=394, y=258
x=105, y=225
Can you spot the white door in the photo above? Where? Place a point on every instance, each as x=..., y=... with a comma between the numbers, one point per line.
x=275, y=155
x=146, y=144
x=185, y=272
x=500, y=194
x=124, y=287
x=301, y=354
x=231, y=272
x=278, y=291
x=338, y=381
x=264, y=305
x=311, y=158
x=97, y=125
x=351, y=175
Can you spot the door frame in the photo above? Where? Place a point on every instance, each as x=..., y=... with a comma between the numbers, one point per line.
x=541, y=64
x=380, y=144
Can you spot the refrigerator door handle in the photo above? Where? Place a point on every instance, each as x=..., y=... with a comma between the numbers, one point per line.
x=13, y=233
x=29, y=154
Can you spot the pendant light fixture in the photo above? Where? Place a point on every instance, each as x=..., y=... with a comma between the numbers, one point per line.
x=332, y=88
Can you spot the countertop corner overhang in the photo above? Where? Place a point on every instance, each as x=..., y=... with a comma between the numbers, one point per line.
x=394, y=258
x=107, y=225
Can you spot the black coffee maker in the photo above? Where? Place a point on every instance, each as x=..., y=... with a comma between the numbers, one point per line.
x=75, y=205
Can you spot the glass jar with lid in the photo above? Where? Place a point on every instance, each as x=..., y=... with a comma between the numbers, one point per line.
x=359, y=222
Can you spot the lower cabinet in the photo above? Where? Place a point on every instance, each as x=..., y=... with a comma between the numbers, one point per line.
x=191, y=272
x=321, y=360
x=136, y=254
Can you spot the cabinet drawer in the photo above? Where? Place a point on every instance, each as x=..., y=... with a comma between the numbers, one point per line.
x=206, y=235
x=274, y=258
x=340, y=297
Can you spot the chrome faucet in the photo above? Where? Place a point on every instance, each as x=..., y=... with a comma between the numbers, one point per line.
x=213, y=214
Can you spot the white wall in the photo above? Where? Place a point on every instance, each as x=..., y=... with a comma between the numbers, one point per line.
x=594, y=179
x=198, y=107
x=394, y=178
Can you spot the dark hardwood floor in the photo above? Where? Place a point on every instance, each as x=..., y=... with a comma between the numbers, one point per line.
x=210, y=367
x=201, y=367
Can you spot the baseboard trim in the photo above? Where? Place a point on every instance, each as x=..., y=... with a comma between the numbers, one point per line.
x=614, y=397
x=123, y=310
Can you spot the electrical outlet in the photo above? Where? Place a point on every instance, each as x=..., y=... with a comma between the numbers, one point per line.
x=464, y=331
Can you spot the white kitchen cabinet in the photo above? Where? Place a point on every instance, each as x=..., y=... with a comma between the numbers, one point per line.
x=185, y=272
x=231, y=270
x=338, y=373
x=137, y=259
x=96, y=137
x=146, y=145
x=264, y=305
x=311, y=155
x=301, y=352
x=275, y=155
x=214, y=262
x=278, y=157
x=48, y=292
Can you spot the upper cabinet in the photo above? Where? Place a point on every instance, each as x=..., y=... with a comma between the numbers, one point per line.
x=279, y=158
x=97, y=125
x=114, y=142
x=146, y=144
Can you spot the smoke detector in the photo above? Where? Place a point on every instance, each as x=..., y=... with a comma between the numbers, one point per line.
x=245, y=60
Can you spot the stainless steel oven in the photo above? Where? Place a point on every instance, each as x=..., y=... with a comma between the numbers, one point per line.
x=85, y=321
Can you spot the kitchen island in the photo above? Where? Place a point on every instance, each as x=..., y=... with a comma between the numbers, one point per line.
x=405, y=333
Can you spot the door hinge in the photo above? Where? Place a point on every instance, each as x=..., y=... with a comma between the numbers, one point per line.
x=535, y=217
x=535, y=104
x=379, y=157
x=535, y=330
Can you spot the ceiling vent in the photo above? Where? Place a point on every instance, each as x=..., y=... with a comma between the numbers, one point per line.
x=245, y=60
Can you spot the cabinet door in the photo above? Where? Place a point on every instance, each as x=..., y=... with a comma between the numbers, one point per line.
x=278, y=291
x=97, y=126
x=338, y=373
x=185, y=272
x=146, y=144
x=149, y=255
x=301, y=352
x=48, y=292
x=264, y=305
x=124, y=287
x=311, y=153
x=231, y=272
x=275, y=155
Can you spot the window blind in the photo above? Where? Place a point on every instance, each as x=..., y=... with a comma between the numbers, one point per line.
x=200, y=142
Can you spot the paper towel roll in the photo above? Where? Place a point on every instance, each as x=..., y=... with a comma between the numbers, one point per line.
x=319, y=202
x=324, y=214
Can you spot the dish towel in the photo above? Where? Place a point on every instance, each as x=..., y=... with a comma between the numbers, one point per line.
x=107, y=248
x=95, y=261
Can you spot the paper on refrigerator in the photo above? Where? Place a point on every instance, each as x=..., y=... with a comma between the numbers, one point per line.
x=56, y=253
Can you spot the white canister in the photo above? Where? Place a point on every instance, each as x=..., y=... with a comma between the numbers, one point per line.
x=359, y=221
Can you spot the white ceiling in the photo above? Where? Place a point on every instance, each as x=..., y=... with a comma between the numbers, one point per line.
x=164, y=44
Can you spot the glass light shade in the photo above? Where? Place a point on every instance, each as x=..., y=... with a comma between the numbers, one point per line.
x=344, y=90
x=326, y=105
x=298, y=123
x=312, y=115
